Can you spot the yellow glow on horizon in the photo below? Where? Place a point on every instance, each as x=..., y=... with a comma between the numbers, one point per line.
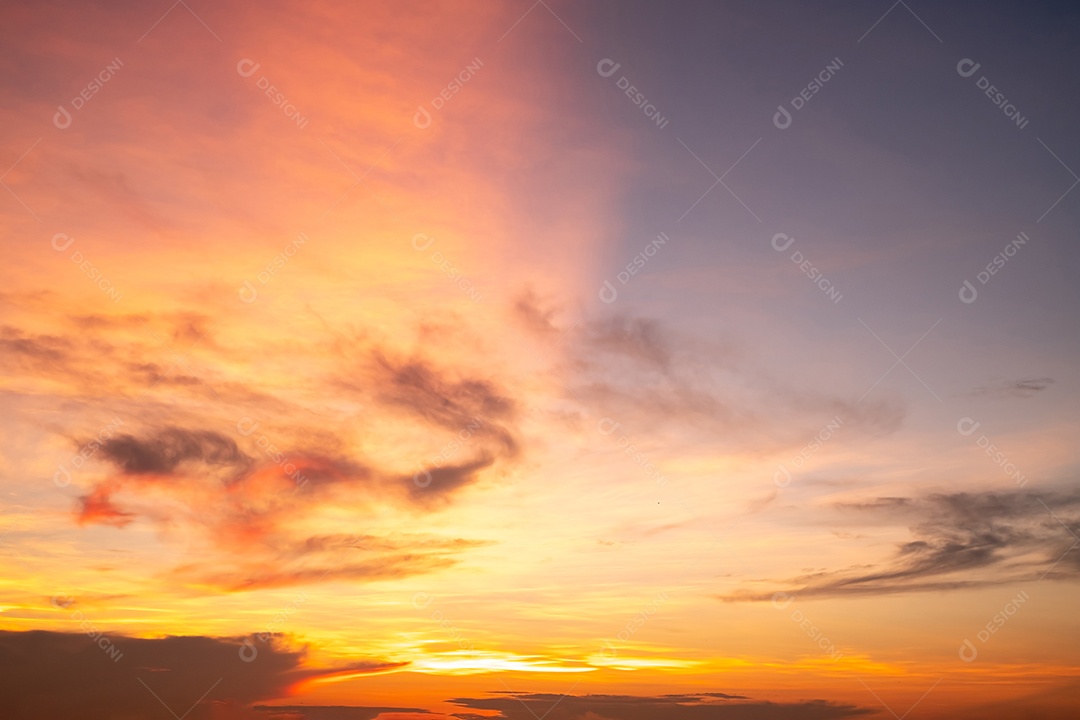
x=639, y=663
x=489, y=662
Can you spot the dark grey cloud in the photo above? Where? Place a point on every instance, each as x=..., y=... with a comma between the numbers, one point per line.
x=255, y=499
x=21, y=347
x=253, y=494
x=99, y=356
x=960, y=540
x=140, y=352
x=435, y=484
x=641, y=339
x=162, y=451
x=534, y=314
x=1025, y=387
x=48, y=675
x=693, y=706
x=419, y=388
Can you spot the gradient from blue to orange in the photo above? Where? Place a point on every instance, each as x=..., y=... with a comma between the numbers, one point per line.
x=486, y=358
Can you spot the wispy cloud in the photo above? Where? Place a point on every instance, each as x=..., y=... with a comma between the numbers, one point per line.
x=960, y=540
x=1024, y=387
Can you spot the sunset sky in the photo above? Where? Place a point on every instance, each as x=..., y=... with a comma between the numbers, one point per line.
x=600, y=360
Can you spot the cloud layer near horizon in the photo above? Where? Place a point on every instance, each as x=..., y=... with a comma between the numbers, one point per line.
x=92, y=675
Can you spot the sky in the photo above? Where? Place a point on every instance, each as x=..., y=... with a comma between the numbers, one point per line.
x=573, y=360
